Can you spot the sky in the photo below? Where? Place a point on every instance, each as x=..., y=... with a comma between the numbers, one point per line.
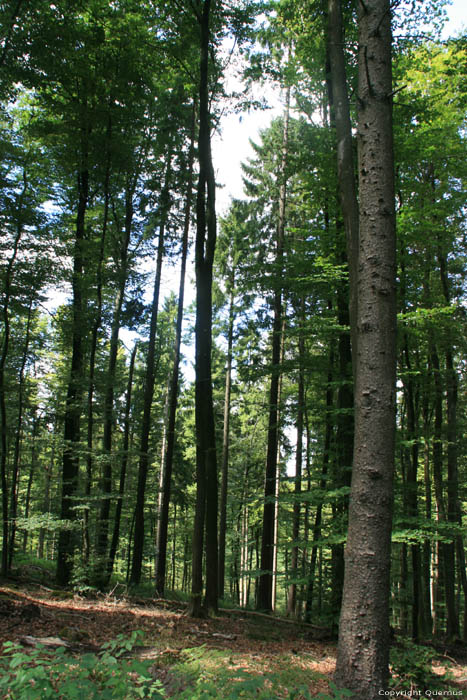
x=231, y=147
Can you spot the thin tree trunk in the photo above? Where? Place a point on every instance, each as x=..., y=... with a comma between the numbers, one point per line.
x=174, y=550
x=454, y=514
x=123, y=466
x=363, y=649
x=104, y=567
x=48, y=469
x=265, y=581
x=278, y=476
x=225, y=441
x=438, y=477
x=32, y=471
x=138, y=535
x=411, y=481
x=3, y=359
x=344, y=447
x=73, y=407
x=92, y=356
x=322, y=486
x=17, y=450
x=427, y=548
x=340, y=119
x=169, y=443
x=292, y=599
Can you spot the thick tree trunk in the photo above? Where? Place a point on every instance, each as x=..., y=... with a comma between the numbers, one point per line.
x=363, y=650
x=265, y=582
x=206, y=461
x=169, y=444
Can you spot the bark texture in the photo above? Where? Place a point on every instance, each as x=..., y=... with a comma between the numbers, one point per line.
x=206, y=459
x=363, y=650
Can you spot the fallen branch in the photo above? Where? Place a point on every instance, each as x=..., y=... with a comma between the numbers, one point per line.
x=50, y=642
x=274, y=618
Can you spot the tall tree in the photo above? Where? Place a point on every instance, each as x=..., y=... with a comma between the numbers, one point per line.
x=363, y=649
x=172, y=398
x=206, y=231
x=265, y=585
x=149, y=381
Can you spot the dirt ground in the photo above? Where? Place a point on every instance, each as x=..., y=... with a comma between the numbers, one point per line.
x=255, y=643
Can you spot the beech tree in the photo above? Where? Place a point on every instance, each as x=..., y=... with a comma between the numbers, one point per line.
x=109, y=447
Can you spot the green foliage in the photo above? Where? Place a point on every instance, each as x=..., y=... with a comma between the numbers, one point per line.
x=337, y=693
x=411, y=666
x=41, y=674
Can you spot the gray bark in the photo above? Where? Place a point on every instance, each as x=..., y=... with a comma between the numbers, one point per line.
x=363, y=649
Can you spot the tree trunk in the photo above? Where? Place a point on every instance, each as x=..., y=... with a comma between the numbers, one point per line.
x=438, y=481
x=265, y=581
x=322, y=487
x=123, y=467
x=427, y=548
x=92, y=358
x=454, y=514
x=17, y=450
x=103, y=568
x=169, y=444
x=363, y=649
x=3, y=359
x=340, y=119
x=411, y=482
x=344, y=447
x=206, y=462
x=225, y=441
x=292, y=599
x=149, y=379
x=73, y=407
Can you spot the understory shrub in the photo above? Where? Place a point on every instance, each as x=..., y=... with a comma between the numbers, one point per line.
x=113, y=673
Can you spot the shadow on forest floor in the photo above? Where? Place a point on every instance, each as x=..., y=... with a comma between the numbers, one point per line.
x=232, y=643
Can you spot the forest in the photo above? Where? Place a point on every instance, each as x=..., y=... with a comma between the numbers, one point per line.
x=260, y=410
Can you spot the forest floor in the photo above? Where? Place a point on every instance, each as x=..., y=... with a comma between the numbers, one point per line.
x=289, y=655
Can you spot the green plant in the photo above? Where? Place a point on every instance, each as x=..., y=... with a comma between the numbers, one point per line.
x=337, y=693
x=411, y=666
x=39, y=674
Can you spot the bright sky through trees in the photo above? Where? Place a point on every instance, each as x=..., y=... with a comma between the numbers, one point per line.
x=231, y=146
